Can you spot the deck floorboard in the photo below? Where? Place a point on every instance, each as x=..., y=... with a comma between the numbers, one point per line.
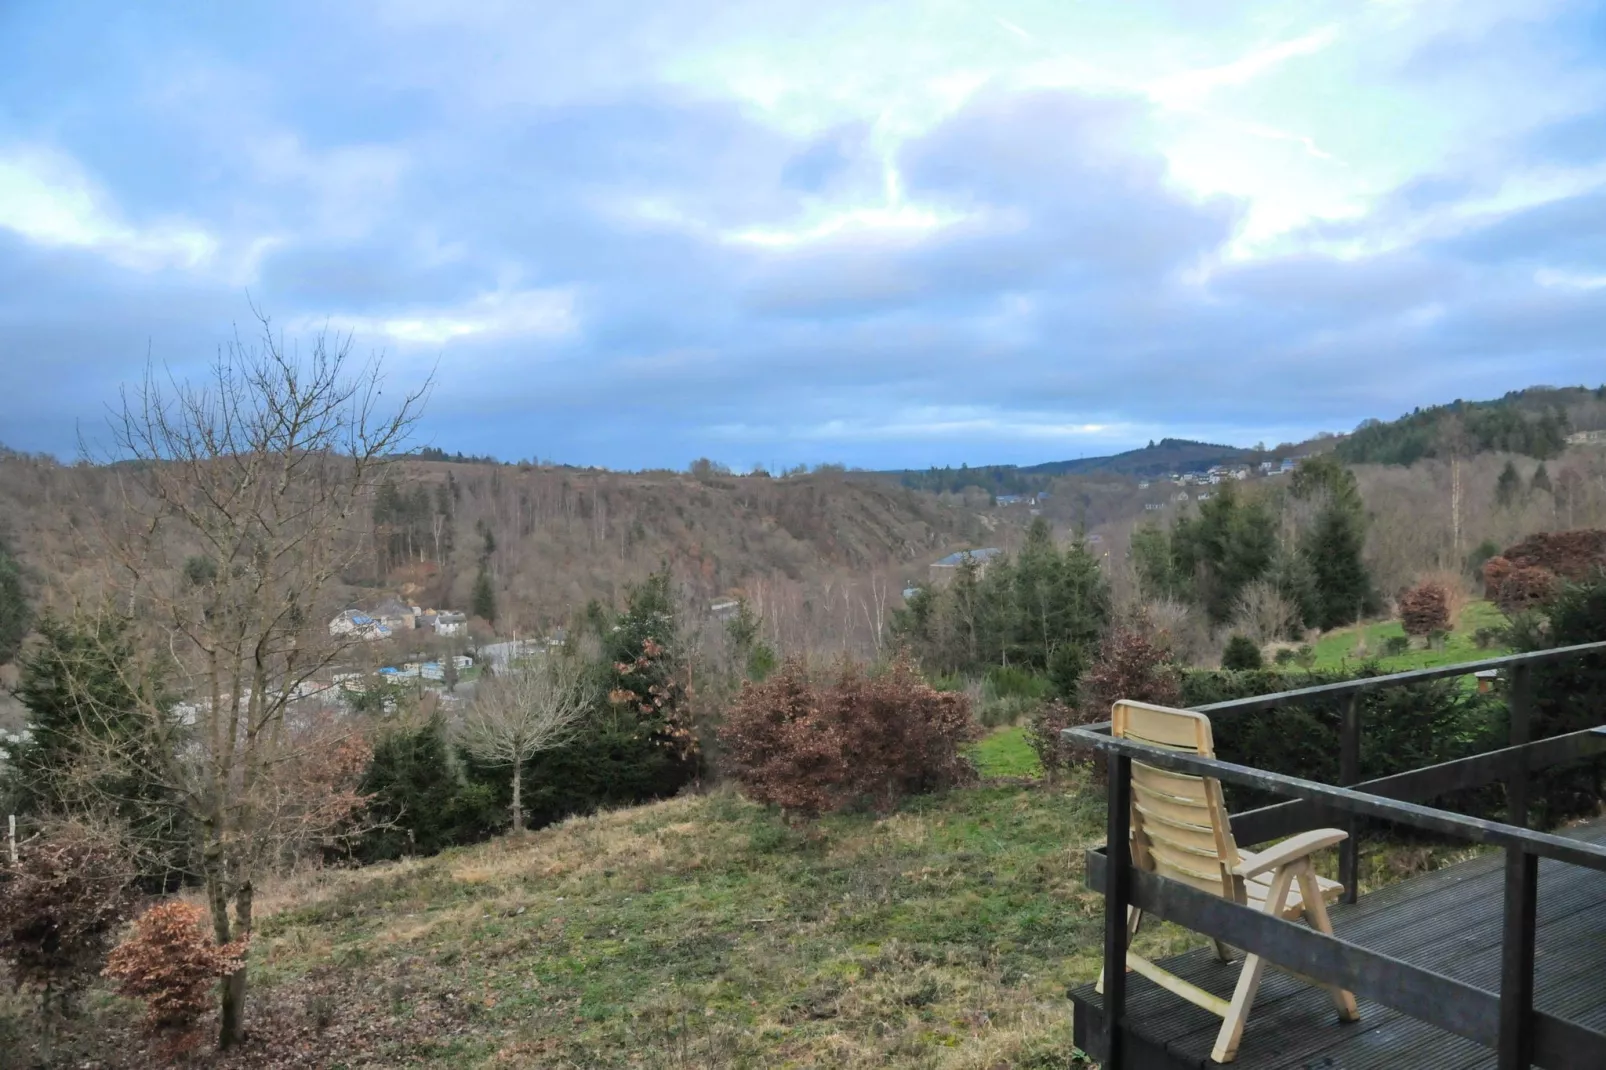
x=1448, y=921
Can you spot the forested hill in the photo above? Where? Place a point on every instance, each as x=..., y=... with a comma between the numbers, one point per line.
x=1156, y=459
x=1534, y=422
x=551, y=539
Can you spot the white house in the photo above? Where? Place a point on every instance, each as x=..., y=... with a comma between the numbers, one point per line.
x=450, y=623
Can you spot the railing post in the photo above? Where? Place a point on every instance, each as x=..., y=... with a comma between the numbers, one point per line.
x=1519, y=700
x=1349, y=774
x=1517, y=960
x=1117, y=894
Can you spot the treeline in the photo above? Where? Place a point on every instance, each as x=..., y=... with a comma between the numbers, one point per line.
x=1269, y=562
x=1042, y=610
x=435, y=453
x=1533, y=423
x=993, y=478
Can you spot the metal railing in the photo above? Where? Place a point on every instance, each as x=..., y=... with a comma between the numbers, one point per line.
x=1505, y=1021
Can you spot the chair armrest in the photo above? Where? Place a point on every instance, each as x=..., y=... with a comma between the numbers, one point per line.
x=1290, y=850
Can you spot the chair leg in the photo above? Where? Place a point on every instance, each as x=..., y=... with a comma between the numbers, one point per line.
x=1134, y=918
x=1223, y=952
x=1243, y=997
x=1316, y=914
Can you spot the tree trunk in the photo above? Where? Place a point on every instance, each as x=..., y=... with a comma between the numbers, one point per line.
x=231, y=1016
x=518, y=805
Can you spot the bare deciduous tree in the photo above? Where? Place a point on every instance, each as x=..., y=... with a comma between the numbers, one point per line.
x=243, y=499
x=1262, y=613
x=530, y=708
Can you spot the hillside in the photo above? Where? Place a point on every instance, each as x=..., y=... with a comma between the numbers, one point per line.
x=1533, y=422
x=1169, y=455
x=564, y=536
x=701, y=932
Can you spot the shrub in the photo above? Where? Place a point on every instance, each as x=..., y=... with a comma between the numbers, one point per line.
x=1425, y=609
x=60, y=903
x=1485, y=638
x=809, y=747
x=1132, y=663
x=1519, y=588
x=1395, y=645
x=171, y=963
x=1241, y=653
x=1305, y=656
x=1043, y=735
x=421, y=798
x=1285, y=656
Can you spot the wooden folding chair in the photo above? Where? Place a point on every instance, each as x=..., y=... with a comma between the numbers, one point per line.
x=1180, y=831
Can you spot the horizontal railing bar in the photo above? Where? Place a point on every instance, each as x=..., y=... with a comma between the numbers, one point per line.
x=1423, y=994
x=1398, y=679
x=1419, y=785
x=1432, y=997
x=1351, y=800
x=1371, y=683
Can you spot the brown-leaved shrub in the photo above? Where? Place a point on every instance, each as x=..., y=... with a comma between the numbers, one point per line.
x=171, y=962
x=1425, y=609
x=809, y=746
x=1134, y=661
x=60, y=904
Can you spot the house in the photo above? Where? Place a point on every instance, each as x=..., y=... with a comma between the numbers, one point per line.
x=1180, y=496
x=447, y=623
x=396, y=615
x=1584, y=438
x=1204, y=496
x=1240, y=473
x=1153, y=507
x=725, y=609
x=1143, y=484
x=1009, y=499
x=945, y=568
x=1289, y=466
x=1214, y=479
x=909, y=592
x=356, y=623
x=1266, y=467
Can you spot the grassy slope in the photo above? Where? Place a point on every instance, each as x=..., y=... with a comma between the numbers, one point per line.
x=1336, y=649
x=704, y=932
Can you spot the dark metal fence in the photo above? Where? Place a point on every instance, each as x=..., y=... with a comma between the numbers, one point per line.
x=1505, y=1021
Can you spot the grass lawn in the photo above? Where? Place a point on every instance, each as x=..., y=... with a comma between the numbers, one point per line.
x=1005, y=753
x=698, y=932
x=1336, y=649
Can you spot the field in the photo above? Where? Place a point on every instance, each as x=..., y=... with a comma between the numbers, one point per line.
x=698, y=932
x=1337, y=649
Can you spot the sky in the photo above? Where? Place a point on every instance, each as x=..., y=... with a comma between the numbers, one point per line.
x=890, y=234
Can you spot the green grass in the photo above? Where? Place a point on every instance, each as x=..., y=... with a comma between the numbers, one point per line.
x=1336, y=649
x=706, y=932
x=1005, y=753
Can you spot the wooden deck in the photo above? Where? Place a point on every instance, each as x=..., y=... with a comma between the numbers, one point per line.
x=1448, y=921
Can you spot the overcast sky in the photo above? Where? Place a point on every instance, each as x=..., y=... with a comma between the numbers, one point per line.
x=885, y=234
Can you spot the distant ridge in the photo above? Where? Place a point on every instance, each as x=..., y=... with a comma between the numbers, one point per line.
x=1156, y=459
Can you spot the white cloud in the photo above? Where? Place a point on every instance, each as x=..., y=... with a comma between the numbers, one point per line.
x=1189, y=87
x=47, y=199
x=503, y=313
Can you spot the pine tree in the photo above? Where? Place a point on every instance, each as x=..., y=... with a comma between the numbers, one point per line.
x=1508, y=486
x=482, y=601
x=1541, y=480
x=15, y=616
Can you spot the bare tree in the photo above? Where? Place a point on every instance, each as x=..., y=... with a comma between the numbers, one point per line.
x=1262, y=613
x=241, y=501
x=530, y=708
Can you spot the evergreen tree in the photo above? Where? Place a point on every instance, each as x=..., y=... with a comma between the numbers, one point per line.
x=81, y=688
x=15, y=615
x=1508, y=486
x=1333, y=547
x=1541, y=480
x=1241, y=654
x=482, y=600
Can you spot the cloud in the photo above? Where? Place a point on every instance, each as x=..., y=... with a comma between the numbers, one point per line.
x=46, y=198
x=633, y=234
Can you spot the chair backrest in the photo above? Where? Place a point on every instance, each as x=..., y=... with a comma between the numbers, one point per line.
x=1180, y=827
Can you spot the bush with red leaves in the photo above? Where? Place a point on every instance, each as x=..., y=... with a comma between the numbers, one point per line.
x=171, y=962
x=811, y=747
x=60, y=903
x=1133, y=662
x=1524, y=587
x=1425, y=609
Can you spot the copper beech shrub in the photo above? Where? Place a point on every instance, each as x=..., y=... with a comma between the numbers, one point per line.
x=1425, y=609
x=811, y=745
x=172, y=964
x=60, y=905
